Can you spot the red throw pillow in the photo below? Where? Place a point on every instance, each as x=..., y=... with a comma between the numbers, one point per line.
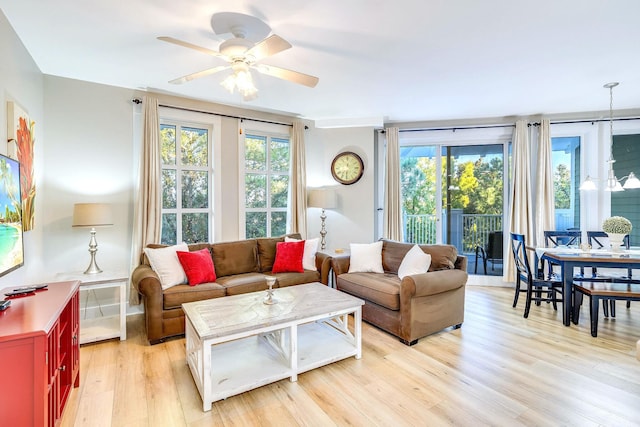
x=289, y=257
x=198, y=266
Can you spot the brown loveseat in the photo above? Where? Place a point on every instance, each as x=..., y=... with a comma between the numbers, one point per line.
x=418, y=305
x=240, y=267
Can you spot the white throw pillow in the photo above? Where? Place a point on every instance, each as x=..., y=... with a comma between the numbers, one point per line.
x=414, y=262
x=366, y=258
x=310, y=249
x=166, y=264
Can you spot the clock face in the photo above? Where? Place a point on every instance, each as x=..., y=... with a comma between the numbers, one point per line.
x=347, y=168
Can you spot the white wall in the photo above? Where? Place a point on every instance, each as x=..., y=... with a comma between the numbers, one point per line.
x=353, y=220
x=22, y=82
x=88, y=153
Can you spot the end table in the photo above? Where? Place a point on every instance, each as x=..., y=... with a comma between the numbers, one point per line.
x=107, y=324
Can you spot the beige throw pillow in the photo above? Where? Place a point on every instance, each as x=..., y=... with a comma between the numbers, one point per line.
x=310, y=249
x=366, y=258
x=414, y=262
x=165, y=262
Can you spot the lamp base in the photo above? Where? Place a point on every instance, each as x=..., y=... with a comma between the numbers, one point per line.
x=93, y=248
x=323, y=230
x=93, y=267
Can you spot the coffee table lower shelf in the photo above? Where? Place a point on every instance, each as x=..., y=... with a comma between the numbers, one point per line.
x=230, y=365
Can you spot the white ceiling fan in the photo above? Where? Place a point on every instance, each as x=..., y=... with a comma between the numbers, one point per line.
x=248, y=46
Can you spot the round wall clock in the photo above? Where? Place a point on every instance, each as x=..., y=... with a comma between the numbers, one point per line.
x=347, y=168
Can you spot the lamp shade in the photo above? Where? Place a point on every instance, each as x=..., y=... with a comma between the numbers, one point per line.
x=92, y=215
x=323, y=198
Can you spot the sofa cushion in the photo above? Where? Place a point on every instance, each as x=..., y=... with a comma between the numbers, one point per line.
x=290, y=279
x=235, y=257
x=289, y=257
x=414, y=262
x=177, y=295
x=165, y=263
x=267, y=252
x=243, y=283
x=443, y=257
x=366, y=257
x=382, y=289
x=198, y=266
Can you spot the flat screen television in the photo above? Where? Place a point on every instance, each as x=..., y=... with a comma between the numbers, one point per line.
x=11, y=245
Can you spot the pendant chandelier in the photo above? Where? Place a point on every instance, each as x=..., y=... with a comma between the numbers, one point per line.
x=613, y=183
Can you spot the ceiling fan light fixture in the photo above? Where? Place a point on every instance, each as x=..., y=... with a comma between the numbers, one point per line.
x=229, y=83
x=242, y=80
x=251, y=43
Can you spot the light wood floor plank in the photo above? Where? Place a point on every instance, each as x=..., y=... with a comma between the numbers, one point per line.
x=498, y=369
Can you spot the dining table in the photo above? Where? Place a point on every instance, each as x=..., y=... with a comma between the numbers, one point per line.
x=568, y=258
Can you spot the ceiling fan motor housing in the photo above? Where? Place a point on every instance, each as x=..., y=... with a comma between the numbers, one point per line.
x=235, y=48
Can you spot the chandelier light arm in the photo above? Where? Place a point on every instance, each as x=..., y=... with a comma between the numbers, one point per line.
x=613, y=183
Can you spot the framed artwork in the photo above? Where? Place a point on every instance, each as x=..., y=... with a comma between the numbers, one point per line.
x=21, y=139
x=11, y=246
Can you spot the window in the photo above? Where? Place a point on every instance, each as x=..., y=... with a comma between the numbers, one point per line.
x=186, y=182
x=472, y=187
x=565, y=154
x=266, y=184
x=453, y=187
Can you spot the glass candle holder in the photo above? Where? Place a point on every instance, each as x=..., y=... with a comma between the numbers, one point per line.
x=269, y=299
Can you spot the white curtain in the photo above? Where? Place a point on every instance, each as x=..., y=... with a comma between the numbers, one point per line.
x=298, y=180
x=147, y=209
x=520, y=210
x=392, y=223
x=545, y=203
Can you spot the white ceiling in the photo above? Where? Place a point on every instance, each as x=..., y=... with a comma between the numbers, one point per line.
x=402, y=60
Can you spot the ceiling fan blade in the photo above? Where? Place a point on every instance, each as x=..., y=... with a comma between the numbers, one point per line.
x=197, y=75
x=292, y=76
x=267, y=47
x=191, y=46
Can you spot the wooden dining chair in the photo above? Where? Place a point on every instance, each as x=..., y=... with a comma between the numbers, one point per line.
x=600, y=240
x=538, y=289
x=555, y=238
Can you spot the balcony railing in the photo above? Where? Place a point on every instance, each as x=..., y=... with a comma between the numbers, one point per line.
x=467, y=231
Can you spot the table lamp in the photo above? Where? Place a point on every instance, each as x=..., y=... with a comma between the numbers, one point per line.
x=323, y=198
x=92, y=215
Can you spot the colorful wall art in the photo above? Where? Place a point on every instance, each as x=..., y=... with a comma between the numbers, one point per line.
x=21, y=135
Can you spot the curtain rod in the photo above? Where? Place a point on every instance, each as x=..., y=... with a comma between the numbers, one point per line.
x=560, y=122
x=454, y=128
x=139, y=101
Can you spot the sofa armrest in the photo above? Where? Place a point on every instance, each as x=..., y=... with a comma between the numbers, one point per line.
x=145, y=280
x=432, y=283
x=340, y=264
x=323, y=264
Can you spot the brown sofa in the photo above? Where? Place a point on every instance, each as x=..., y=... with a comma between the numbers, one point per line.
x=418, y=305
x=240, y=267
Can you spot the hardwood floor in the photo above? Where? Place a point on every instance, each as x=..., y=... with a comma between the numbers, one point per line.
x=498, y=369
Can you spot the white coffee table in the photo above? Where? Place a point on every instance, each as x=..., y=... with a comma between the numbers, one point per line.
x=238, y=343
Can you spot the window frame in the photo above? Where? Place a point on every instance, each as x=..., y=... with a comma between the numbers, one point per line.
x=268, y=131
x=181, y=119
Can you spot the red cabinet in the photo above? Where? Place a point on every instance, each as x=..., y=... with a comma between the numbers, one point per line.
x=39, y=355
